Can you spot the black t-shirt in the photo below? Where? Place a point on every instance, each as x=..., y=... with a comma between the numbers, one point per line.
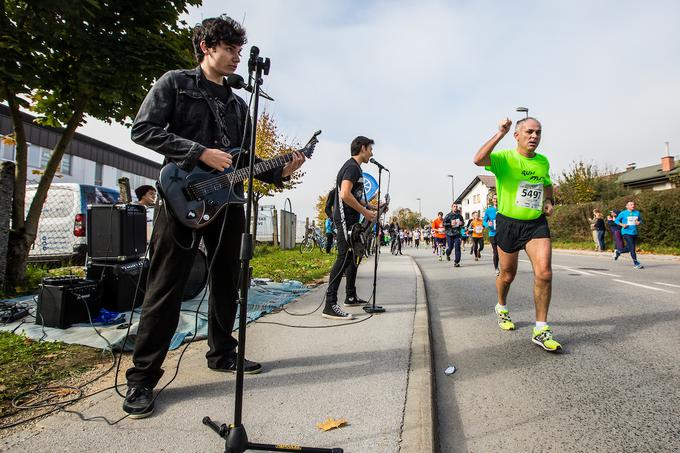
x=221, y=94
x=350, y=171
x=599, y=224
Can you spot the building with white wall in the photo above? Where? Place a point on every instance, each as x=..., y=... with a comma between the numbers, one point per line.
x=85, y=161
x=476, y=195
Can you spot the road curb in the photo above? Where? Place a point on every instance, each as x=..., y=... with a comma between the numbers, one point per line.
x=418, y=431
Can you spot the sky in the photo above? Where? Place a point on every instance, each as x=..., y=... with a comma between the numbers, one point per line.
x=429, y=81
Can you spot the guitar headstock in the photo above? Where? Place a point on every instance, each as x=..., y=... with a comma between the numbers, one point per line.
x=308, y=150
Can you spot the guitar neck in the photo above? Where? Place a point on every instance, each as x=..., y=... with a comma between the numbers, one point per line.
x=241, y=174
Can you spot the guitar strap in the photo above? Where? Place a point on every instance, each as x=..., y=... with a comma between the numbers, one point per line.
x=342, y=216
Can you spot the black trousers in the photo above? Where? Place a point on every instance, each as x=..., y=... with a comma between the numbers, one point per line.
x=344, y=264
x=453, y=244
x=477, y=246
x=172, y=256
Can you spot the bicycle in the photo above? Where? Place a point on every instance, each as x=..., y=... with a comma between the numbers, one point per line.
x=311, y=240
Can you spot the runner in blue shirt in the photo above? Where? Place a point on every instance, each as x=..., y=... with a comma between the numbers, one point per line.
x=490, y=223
x=629, y=220
x=329, y=234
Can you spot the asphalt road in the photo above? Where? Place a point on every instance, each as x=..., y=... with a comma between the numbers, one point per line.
x=615, y=386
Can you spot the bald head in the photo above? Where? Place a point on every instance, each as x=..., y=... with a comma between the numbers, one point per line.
x=526, y=122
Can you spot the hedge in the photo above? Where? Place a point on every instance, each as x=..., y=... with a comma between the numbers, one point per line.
x=660, y=211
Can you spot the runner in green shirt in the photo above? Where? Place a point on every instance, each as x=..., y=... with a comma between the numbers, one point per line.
x=525, y=197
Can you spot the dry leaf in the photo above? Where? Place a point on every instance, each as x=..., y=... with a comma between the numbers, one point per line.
x=331, y=423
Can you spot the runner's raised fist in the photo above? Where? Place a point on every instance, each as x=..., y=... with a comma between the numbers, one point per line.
x=504, y=125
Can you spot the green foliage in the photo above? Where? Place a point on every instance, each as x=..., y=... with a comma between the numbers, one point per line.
x=584, y=182
x=26, y=364
x=105, y=52
x=660, y=212
x=272, y=262
x=409, y=219
x=36, y=272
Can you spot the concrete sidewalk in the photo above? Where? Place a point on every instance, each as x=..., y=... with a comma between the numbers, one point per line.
x=361, y=372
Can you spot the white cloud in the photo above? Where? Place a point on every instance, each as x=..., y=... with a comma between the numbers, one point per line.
x=430, y=80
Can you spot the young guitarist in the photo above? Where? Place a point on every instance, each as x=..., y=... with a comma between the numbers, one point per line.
x=351, y=203
x=190, y=116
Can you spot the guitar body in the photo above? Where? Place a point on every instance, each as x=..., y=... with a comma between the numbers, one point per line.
x=195, y=211
x=195, y=198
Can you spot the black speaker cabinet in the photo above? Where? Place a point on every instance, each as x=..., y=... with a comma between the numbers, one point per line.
x=118, y=283
x=63, y=301
x=116, y=233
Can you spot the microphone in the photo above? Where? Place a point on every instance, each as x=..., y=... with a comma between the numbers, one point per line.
x=236, y=81
x=380, y=166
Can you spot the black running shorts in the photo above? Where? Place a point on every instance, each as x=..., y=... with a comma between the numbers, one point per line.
x=512, y=234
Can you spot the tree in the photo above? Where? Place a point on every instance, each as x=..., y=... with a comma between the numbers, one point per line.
x=65, y=60
x=269, y=145
x=409, y=219
x=320, y=207
x=584, y=182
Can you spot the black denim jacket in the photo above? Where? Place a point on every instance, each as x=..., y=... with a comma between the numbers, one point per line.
x=180, y=120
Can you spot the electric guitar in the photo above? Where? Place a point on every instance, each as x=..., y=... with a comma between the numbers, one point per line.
x=360, y=232
x=196, y=197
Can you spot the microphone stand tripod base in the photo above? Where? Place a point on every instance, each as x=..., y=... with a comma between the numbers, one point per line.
x=374, y=309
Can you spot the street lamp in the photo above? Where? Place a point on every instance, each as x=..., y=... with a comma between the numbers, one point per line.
x=452, y=197
x=523, y=109
x=419, y=211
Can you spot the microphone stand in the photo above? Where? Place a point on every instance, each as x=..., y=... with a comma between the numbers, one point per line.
x=235, y=436
x=376, y=308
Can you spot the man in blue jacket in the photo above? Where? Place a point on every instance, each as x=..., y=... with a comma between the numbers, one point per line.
x=629, y=220
x=490, y=223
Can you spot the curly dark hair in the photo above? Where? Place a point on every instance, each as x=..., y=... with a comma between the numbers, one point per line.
x=216, y=30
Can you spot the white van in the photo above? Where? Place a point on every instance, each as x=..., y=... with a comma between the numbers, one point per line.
x=61, y=232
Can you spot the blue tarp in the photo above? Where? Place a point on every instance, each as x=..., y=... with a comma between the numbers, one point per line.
x=264, y=297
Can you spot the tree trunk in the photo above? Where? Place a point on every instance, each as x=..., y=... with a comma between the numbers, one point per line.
x=23, y=232
x=6, y=190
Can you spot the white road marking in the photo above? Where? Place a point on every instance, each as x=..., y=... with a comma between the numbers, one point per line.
x=667, y=284
x=570, y=269
x=604, y=273
x=643, y=286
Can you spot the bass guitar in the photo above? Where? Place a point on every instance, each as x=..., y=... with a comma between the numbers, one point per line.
x=360, y=234
x=196, y=197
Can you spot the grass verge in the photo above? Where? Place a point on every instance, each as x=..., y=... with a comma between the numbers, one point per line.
x=277, y=264
x=26, y=364
x=642, y=247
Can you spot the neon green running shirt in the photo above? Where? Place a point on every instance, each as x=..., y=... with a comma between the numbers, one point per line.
x=520, y=183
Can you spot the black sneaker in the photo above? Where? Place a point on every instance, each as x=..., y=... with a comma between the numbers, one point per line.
x=448, y=257
x=138, y=402
x=354, y=302
x=335, y=312
x=249, y=367
x=456, y=264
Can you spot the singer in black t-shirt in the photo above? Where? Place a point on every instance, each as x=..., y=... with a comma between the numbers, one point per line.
x=350, y=204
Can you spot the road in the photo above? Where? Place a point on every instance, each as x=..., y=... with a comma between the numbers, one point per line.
x=615, y=386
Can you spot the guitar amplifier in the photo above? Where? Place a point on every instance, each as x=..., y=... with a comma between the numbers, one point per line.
x=118, y=283
x=63, y=301
x=116, y=233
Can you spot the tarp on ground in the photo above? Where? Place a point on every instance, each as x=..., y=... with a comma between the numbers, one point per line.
x=263, y=297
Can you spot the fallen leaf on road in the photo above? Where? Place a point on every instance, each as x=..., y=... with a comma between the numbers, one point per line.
x=331, y=423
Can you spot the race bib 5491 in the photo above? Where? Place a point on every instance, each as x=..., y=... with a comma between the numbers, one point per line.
x=529, y=195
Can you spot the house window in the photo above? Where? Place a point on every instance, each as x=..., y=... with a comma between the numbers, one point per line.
x=34, y=156
x=6, y=151
x=65, y=166
x=98, y=172
x=45, y=155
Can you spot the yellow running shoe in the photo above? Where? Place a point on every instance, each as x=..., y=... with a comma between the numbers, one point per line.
x=504, y=321
x=544, y=339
